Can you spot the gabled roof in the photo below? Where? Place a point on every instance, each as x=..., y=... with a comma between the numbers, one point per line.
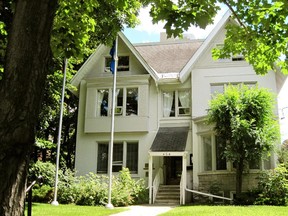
x=185, y=72
x=163, y=60
x=168, y=57
x=97, y=55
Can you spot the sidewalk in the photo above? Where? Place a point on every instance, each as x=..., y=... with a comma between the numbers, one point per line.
x=145, y=210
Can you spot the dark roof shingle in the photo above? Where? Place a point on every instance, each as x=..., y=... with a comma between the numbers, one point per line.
x=169, y=57
x=170, y=139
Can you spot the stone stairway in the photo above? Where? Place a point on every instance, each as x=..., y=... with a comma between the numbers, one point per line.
x=168, y=194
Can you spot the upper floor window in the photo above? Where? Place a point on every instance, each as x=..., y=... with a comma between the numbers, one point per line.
x=176, y=103
x=239, y=57
x=123, y=63
x=219, y=88
x=125, y=154
x=126, y=102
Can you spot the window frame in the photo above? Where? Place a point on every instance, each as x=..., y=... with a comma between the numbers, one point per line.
x=119, y=110
x=116, y=164
x=120, y=68
x=175, y=103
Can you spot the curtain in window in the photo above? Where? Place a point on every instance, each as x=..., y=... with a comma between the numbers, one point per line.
x=184, y=99
x=101, y=104
x=167, y=103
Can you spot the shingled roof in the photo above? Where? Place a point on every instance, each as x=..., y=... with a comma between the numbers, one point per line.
x=170, y=139
x=168, y=57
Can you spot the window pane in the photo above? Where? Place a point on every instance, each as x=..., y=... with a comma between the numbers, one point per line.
x=216, y=89
x=132, y=102
x=132, y=157
x=123, y=63
x=102, y=160
x=207, y=153
x=117, y=157
x=102, y=102
x=220, y=161
x=119, y=102
x=254, y=164
x=184, y=102
x=168, y=104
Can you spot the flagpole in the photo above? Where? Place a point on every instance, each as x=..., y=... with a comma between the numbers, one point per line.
x=110, y=153
x=55, y=202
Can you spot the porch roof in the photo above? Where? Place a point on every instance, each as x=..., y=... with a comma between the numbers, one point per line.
x=170, y=139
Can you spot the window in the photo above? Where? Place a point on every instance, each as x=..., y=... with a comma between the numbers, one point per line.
x=219, y=88
x=239, y=57
x=128, y=96
x=125, y=154
x=123, y=63
x=212, y=154
x=102, y=102
x=176, y=103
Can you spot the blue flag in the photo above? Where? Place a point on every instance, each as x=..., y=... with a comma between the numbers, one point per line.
x=112, y=53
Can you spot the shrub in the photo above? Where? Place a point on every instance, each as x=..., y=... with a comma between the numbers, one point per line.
x=42, y=193
x=274, y=187
x=92, y=189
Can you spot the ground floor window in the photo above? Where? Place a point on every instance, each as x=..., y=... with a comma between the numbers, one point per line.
x=212, y=154
x=125, y=154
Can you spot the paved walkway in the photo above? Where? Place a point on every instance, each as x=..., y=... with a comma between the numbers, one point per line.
x=145, y=210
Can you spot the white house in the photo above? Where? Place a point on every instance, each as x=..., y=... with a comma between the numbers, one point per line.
x=163, y=91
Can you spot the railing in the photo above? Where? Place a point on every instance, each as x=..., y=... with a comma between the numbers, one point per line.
x=209, y=195
x=156, y=182
x=181, y=189
x=29, y=191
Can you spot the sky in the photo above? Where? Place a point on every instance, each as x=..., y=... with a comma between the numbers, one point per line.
x=147, y=32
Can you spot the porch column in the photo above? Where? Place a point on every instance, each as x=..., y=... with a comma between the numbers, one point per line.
x=150, y=177
x=184, y=176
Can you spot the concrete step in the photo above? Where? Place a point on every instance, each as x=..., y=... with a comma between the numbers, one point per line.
x=168, y=194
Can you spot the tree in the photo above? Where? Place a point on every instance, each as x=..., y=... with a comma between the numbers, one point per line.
x=30, y=29
x=28, y=60
x=261, y=32
x=245, y=125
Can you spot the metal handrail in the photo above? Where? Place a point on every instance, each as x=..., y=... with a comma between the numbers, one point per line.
x=207, y=194
x=181, y=185
x=156, y=182
x=29, y=191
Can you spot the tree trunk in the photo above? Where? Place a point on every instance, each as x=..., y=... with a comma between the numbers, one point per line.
x=28, y=58
x=239, y=175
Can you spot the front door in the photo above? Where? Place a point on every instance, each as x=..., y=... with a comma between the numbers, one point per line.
x=173, y=170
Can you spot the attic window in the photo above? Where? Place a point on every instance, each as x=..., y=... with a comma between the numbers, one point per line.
x=238, y=58
x=235, y=58
x=123, y=63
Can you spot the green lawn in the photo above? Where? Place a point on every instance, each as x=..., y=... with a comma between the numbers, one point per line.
x=228, y=211
x=40, y=209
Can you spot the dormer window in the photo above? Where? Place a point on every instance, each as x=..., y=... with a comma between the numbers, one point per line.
x=123, y=63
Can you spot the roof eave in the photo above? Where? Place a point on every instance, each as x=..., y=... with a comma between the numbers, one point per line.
x=185, y=72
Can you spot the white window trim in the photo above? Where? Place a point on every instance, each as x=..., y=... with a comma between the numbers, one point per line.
x=176, y=106
x=124, y=157
x=123, y=108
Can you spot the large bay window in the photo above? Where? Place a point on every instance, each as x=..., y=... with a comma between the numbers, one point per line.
x=212, y=154
x=213, y=160
x=176, y=103
x=125, y=154
x=126, y=102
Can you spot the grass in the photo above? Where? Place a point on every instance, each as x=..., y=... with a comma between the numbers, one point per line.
x=40, y=209
x=228, y=211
